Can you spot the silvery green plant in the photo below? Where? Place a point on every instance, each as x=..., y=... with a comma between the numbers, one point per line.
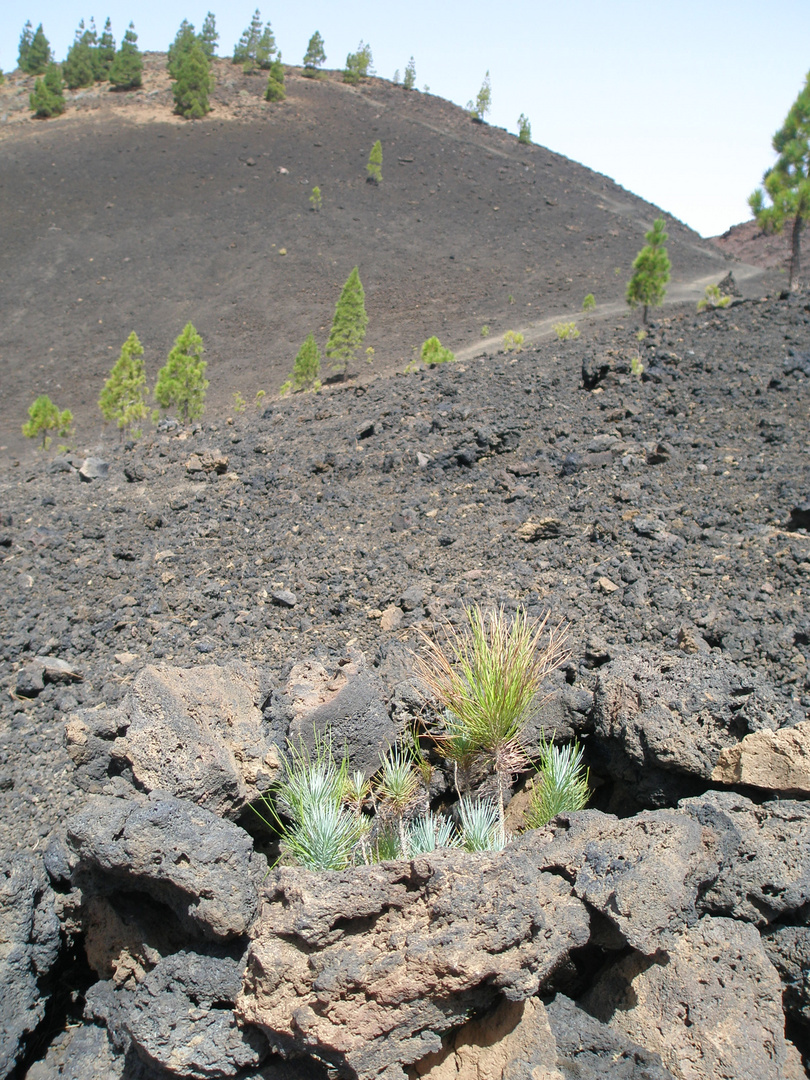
x=481, y=829
x=561, y=783
x=398, y=788
x=429, y=832
x=322, y=834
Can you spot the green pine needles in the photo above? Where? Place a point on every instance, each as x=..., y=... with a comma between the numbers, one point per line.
x=123, y=398
x=44, y=417
x=47, y=98
x=314, y=57
x=524, y=129
x=181, y=382
x=348, y=325
x=787, y=183
x=306, y=368
x=561, y=784
x=274, y=91
x=127, y=68
x=193, y=82
x=651, y=268
x=483, y=101
x=256, y=46
x=374, y=166
x=35, y=51
x=433, y=352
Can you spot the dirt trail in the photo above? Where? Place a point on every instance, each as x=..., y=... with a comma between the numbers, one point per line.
x=677, y=293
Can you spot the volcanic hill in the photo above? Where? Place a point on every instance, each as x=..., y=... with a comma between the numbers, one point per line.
x=118, y=216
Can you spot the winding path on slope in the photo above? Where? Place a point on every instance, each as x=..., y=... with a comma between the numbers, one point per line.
x=677, y=293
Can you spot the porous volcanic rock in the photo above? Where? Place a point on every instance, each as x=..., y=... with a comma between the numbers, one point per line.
x=201, y=867
x=677, y=712
x=195, y=733
x=711, y=1007
x=774, y=760
x=30, y=937
x=368, y=967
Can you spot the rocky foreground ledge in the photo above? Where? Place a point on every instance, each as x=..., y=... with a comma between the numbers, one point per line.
x=177, y=609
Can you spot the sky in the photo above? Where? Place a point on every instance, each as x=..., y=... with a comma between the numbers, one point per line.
x=676, y=101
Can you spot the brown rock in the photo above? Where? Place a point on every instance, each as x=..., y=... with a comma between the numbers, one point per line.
x=368, y=966
x=711, y=1008
x=209, y=461
x=776, y=760
x=545, y=529
x=391, y=618
x=197, y=733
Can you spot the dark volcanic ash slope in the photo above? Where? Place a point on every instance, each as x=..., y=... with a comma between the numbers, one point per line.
x=120, y=217
x=655, y=513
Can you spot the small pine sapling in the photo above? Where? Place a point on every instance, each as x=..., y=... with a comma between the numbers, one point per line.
x=483, y=101
x=651, y=267
x=348, y=325
x=485, y=331
x=358, y=65
x=589, y=303
x=316, y=199
x=566, y=331
x=314, y=56
x=433, y=352
x=47, y=98
x=560, y=784
x=181, y=382
x=713, y=298
x=306, y=368
x=410, y=75
x=44, y=417
x=524, y=129
x=513, y=341
x=123, y=398
x=275, y=81
x=374, y=166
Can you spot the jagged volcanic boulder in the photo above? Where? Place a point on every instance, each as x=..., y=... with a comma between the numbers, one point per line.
x=368, y=967
x=196, y=733
x=711, y=1006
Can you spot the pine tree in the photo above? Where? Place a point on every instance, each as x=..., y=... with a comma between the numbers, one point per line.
x=275, y=81
x=181, y=382
x=105, y=53
x=184, y=40
x=314, y=56
x=256, y=46
x=123, y=398
x=126, y=69
x=483, y=101
x=26, y=37
x=47, y=98
x=193, y=82
x=43, y=416
x=410, y=75
x=787, y=183
x=79, y=68
x=374, y=166
x=348, y=325
x=35, y=55
x=358, y=64
x=524, y=129
x=306, y=368
x=651, y=269
x=209, y=36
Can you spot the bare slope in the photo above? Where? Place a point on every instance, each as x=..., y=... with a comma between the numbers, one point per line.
x=119, y=217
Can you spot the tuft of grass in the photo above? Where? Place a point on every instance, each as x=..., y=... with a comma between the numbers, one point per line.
x=429, y=832
x=481, y=827
x=513, y=341
x=713, y=299
x=561, y=783
x=487, y=678
x=566, y=330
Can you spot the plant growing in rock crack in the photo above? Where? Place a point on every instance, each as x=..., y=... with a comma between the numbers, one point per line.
x=322, y=833
x=482, y=827
x=486, y=679
x=399, y=790
x=560, y=784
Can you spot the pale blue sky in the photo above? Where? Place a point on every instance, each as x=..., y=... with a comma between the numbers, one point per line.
x=676, y=101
